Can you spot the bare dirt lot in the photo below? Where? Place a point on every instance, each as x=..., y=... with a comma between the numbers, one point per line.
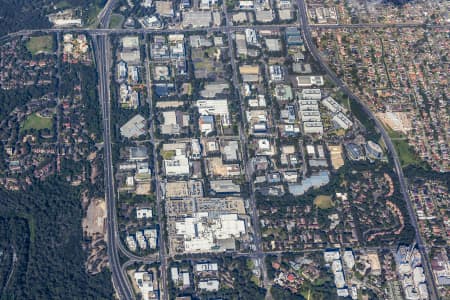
x=94, y=231
x=95, y=217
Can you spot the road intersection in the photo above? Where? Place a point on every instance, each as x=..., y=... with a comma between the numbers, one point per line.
x=101, y=45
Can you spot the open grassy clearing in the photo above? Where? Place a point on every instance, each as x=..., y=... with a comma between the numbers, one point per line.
x=36, y=122
x=40, y=44
x=116, y=21
x=323, y=202
x=405, y=152
x=92, y=14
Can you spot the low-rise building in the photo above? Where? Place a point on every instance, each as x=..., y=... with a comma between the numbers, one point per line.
x=273, y=45
x=131, y=243
x=205, y=232
x=178, y=165
x=138, y=153
x=276, y=73
x=206, y=267
x=217, y=108
x=210, y=285
x=134, y=128
x=225, y=186
x=342, y=121
x=143, y=213
x=310, y=94
x=332, y=105
x=264, y=16
x=250, y=73
x=145, y=283
x=308, y=81
x=283, y=92
x=197, y=19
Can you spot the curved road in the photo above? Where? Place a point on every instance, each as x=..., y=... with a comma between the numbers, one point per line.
x=403, y=185
x=102, y=57
x=120, y=281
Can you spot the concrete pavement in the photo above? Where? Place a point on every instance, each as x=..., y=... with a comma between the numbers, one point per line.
x=120, y=281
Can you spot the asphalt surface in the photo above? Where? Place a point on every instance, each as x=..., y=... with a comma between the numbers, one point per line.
x=101, y=51
x=103, y=29
x=105, y=14
x=260, y=255
x=390, y=146
x=157, y=180
x=102, y=57
x=120, y=281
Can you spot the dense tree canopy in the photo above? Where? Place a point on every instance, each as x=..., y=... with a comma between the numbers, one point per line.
x=16, y=15
x=53, y=265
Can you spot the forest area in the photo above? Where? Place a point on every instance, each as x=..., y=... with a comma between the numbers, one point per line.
x=43, y=223
x=17, y=15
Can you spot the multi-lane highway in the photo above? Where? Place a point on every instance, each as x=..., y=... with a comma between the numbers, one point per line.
x=390, y=146
x=102, y=57
x=120, y=281
x=105, y=14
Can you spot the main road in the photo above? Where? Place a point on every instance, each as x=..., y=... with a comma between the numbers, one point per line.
x=387, y=139
x=157, y=183
x=105, y=14
x=102, y=58
x=120, y=281
x=104, y=30
x=259, y=253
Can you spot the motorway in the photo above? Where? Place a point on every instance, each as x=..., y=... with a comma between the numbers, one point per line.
x=102, y=56
x=390, y=146
x=120, y=281
x=105, y=14
x=119, y=277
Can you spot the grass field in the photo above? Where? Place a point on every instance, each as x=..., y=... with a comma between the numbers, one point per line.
x=38, y=44
x=405, y=151
x=92, y=14
x=36, y=122
x=343, y=100
x=116, y=21
x=323, y=202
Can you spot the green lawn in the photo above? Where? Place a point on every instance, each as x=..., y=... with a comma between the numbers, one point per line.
x=323, y=202
x=93, y=12
x=405, y=152
x=343, y=100
x=36, y=122
x=116, y=21
x=38, y=44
